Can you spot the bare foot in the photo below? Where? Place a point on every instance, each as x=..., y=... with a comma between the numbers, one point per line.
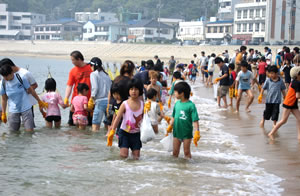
x=236, y=111
x=230, y=104
x=271, y=136
x=248, y=110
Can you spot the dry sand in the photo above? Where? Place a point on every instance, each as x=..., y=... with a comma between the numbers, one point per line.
x=112, y=52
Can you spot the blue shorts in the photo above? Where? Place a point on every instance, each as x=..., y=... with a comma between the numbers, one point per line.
x=129, y=140
x=99, y=111
x=211, y=73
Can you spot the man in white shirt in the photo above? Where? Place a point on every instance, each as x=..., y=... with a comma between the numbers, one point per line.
x=203, y=61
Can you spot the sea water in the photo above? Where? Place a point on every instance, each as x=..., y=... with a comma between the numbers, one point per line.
x=70, y=162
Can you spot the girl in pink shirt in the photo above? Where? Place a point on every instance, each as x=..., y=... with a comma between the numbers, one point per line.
x=80, y=106
x=53, y=99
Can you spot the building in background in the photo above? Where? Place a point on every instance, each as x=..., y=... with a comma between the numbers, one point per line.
x=219, y=30
x=150, y=31
x=105, y=31
x=18, y=25
x=58, y=30
x=191, y=31
x=103, y=16
x=284, y=21
x=251, y=21
x=226, y=9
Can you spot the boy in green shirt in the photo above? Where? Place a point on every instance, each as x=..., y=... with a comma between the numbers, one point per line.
x=184, y=116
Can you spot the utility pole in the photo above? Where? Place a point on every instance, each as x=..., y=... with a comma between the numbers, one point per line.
x=159, y=7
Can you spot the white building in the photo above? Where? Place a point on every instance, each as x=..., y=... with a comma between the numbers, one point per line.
x=150, y=31
x=219, y=30
x=18, y=25
x=250, y=20
x=191, y=31
x=105, y=31
x=226, y=9
x=58, y=30
x=103, y=16
x=284, y=21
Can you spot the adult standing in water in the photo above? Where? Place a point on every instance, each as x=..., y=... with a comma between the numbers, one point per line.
x=101, y=84
x=80, y=73
x=239, y=58
x=126, y=74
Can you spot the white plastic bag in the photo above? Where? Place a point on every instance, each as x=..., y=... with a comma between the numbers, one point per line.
x=167, y=142
x=216, y=86
x=147, y=132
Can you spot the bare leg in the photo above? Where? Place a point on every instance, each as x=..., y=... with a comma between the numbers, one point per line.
x=250, y=100
x=296, y=113
x=48, y=124
x=219, y=101
x=81, y=127
x=136, y=154
x=95, y=128
x=187, y=148
x=238, y=101
x=124, y=152
x=262, y=123
x=176, y=147
x=225, y=102
x=285, y=115
x=57, y=124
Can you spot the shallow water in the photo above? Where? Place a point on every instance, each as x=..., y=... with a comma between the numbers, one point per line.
x=70, y=162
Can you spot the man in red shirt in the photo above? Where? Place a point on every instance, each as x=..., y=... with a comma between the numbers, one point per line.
x=80, y=73
x=262, y=66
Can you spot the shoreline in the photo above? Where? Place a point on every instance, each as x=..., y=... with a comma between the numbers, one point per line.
x=281, y=157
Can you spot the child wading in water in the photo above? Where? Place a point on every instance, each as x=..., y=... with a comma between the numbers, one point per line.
x=153, y=79
x=243, y=84
x=275, y=86
x=184, y=116
x=53, y=99
x=154, y=111
x=80, y=106
x=290, y=104
x=132, y=112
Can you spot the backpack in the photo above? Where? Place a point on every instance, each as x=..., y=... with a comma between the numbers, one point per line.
x=194, y=72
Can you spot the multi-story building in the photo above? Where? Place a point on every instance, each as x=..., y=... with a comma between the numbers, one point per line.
x=226, y=9
x=18, y=25
x=284, y=20
x=219, y=30
x=150, y=31
x=99, y=15
x=191, y=31
x=105, y=31
x=58, y=30
x=250, y=20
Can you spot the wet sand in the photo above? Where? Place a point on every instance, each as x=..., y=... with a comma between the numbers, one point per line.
x=282, y=156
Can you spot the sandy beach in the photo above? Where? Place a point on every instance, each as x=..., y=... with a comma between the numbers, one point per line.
x=112, y=52
x=282, y=156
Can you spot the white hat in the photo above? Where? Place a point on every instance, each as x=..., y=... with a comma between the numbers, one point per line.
x=295, y=72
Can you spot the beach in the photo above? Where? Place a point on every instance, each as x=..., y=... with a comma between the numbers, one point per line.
x=282, y=156
x=114, y=52
x=234, y=155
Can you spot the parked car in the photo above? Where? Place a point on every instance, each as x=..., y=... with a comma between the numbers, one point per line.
x=204, y=43
x=215, y=43
x=236, y=42
x=189, y=42
x=278, y=43
x=253, y=43
x=265, y=43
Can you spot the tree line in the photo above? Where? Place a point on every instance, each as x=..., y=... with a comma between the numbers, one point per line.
x=55, y=9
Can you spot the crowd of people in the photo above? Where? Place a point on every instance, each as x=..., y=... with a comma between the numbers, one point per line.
x=147, y=89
